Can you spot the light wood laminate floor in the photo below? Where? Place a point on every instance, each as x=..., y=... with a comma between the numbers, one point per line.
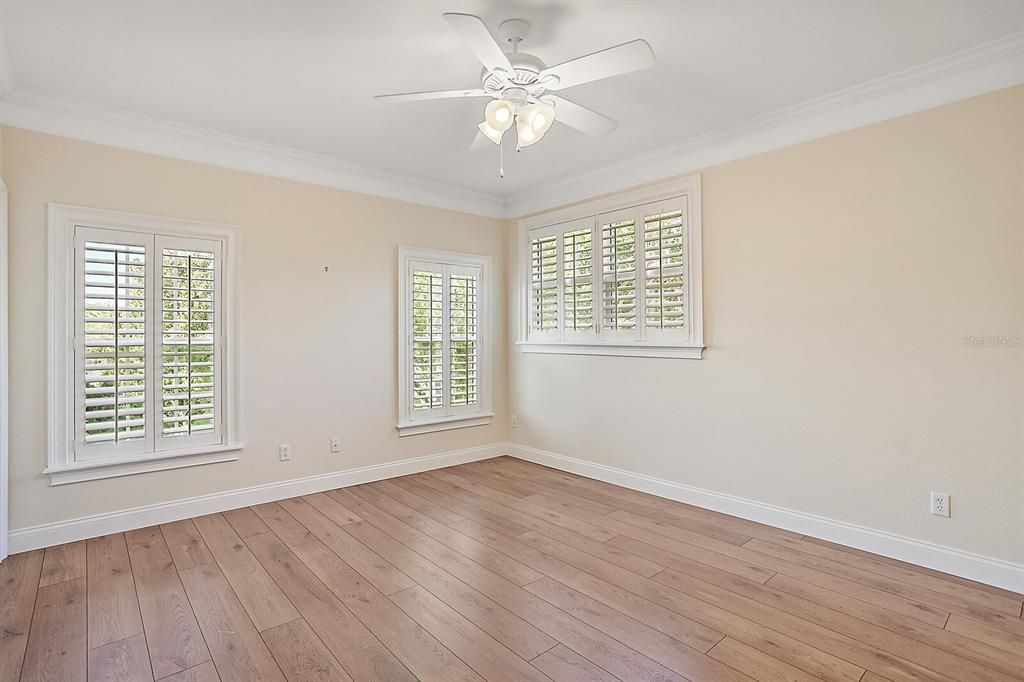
x=495, y=570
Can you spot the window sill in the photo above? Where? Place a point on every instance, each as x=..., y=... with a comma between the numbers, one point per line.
x=633, y=350
x=459, y=421
x=126, y=466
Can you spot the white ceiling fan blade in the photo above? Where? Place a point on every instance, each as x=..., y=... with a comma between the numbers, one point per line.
x=581, y=118
x=433, y=94
x=480, y=143
x=479, y=40
x=631, y=56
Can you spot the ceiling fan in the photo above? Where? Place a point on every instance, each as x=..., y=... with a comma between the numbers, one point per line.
x=520, y=85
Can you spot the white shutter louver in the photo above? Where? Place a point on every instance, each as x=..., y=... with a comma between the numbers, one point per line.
x=463, y=367
x=188, y=349
x=577, y=271
x=113, y=341
x=618, y=275
x=544, y=283
x=427, y=340
x=664, y=263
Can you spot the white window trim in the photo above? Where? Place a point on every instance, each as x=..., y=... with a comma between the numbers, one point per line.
x=690, y=348
x=61, y=466
x=409, y=423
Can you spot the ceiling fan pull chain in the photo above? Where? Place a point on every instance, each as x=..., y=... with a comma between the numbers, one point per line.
x=501, y=160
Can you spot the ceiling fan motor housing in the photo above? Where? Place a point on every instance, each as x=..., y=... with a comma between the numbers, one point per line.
x=525, y=75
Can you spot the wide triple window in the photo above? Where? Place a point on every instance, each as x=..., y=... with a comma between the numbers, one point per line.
x=141, y=368
x=444, y=359
x=616, y=281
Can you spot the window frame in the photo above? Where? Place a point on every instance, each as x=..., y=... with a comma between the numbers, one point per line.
x=441, y=419
x=62, y=465
x=613, y=342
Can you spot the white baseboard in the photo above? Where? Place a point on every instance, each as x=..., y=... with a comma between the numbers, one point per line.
x=49, y=534
x=996, y=572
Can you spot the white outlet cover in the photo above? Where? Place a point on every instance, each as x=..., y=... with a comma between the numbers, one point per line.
x=940, y=504
x=285, y=452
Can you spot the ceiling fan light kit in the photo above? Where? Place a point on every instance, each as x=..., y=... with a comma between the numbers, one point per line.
x=519, y=84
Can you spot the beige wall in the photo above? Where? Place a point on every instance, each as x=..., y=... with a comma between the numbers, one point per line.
x=841, y=277
x=318, y=349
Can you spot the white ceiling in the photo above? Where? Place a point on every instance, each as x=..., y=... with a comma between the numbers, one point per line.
x=303, y=75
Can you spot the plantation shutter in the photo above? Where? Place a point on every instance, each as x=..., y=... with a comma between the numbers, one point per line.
x=445, y=339
x=578, y=320
x=544, y=289
x=190, y=342
x=665, y=292
x=427, y=350
x=619, y=304
x=463, y=356
x=113, y=358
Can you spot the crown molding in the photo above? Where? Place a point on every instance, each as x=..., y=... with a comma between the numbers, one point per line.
x=985, y=68
x=992, y=66
x=52, y=114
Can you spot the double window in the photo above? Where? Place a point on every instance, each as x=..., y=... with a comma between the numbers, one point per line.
x=445, y=361
x=616, y=281
x=139, y=361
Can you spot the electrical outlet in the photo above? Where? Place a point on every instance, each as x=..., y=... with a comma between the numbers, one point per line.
x=515, y=421
x=940, y=504
x=285, y=452
x=336, y=444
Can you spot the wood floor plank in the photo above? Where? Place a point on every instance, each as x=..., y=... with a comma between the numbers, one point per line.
x=589, y=485
x=980, y=652
x=504, y=566
x=372, y=514
x=628, y=593
x=1016, y=596
x=340, y=578
x=365, y=561
x=301, y=655
x=466, y=511
x=756, y=664
x=766, y=557
x=603, y=650
x=984, y=598
x=516, y=634
x=889, y=659
x=427, y=658
x=1004, y=638
x=520, y=512
x=657, y=646
x=897, y=588
x=562, y=664
x=262, y=599
x=359, y=652
x=708, y=528
x=505, y=484
x=678, y=555
x=681, y=555
x=283, y=524
x=245, y=522
x=393, y=489
x=63, y=562
x=186, y=544
x=479, y=650
x=19, y=581
x=124, y=661
x=56, y=650
x=175, y=642
x=205, y=672
x=237, y=649
x=597, y=502
x=331, y=508
x=113, y=604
